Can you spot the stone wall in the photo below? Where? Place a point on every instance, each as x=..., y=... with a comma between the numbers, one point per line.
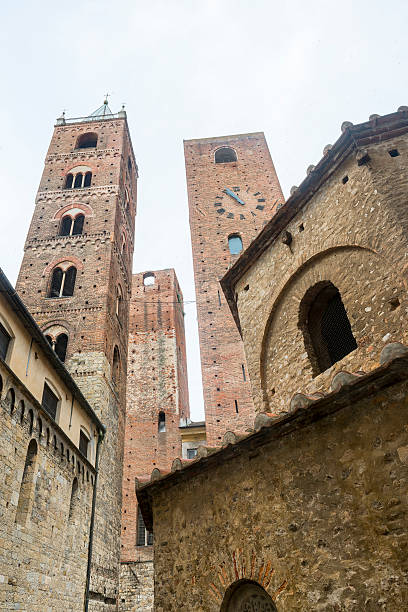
x=214, y=216
x=136, y=586
x=44, y=527
x=352, y=232
x=312, y=508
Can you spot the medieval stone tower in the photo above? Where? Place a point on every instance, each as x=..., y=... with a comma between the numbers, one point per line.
x=76, y=280
x=157, y=399
x=233, y=190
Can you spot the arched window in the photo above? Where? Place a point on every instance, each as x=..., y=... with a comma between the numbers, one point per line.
x=88, y=179
x=26, y=496
x=116, y=365
x=234, y=244
x=66, y=226
x=73, y=503
x=143, y=537
x=148, y=279
x=60, y=347
x=62, y=282
x=87, y=141
x=225, y=155
x=78, y=180
x=246, y=595
x=69, y=181
x=325, y=325
x=70, y=226
x=78, y=225
x=162, y=422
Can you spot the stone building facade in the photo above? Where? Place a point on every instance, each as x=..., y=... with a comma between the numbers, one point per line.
x=75, y=279
x=345, y=226
x=308, y=510
x=157, y=399
x=233, y=190
x=49, y=452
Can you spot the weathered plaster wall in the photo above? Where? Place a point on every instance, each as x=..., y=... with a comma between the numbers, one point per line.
x=351, y=233
x=317, y=516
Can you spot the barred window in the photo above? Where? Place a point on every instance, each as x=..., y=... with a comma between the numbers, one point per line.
x=325, y=325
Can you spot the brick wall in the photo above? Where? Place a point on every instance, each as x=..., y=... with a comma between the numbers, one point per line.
x=157, y=382
x=90, y=316
x=214, y=215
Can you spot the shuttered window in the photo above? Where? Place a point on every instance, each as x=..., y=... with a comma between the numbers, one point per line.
x=49, y=401
x=4, y=342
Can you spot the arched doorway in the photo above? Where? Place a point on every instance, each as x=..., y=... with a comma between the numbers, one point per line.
x=246, y=596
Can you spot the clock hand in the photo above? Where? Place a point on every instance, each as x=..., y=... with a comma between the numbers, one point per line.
x=232, y=194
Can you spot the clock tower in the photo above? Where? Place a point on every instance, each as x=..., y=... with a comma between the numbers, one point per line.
x=233, y=190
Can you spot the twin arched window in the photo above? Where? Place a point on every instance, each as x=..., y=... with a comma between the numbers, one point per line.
x=235, y=244
x=72, y=226
x=87, y=141
x=62, y=282
x=225, y=155
x=78, y=180
x=59, y=345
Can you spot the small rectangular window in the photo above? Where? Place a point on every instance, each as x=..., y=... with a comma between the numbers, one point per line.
x=83, y=443
x=191, y=453
x=49, y=401
x=4, y=342
x=143, y=537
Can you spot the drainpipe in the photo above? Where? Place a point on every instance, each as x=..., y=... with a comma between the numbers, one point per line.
x=101, y=435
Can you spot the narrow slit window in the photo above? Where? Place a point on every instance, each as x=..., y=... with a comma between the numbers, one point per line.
x=236, y=406
x=162, y=422
x=73, y=503
x=243, y=373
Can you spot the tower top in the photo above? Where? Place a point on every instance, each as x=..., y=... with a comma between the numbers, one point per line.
x=101, y=113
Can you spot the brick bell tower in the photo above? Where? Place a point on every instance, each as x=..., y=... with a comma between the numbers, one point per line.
x=75, y=279
x=233, y=190
x=155, y=406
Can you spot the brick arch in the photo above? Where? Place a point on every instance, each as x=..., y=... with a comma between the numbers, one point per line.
x=70, y=258
x=86, y=209
x=55, y=328
x=317, y=268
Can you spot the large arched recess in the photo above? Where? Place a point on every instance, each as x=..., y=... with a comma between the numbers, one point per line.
x=359, y=273
x=247, y=595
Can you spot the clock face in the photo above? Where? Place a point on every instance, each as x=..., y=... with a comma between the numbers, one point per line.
x=237, y=203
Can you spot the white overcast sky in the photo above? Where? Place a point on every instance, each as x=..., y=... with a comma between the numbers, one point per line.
x=189, y=69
